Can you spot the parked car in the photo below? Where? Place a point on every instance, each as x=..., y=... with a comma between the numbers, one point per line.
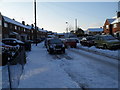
x=46, y=41
x=76, y=39
x=55, y=45
x=70, y=43
x=12, y=42
x=87, y=41
x=107, y=42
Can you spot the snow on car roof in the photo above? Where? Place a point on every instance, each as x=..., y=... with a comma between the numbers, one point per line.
x=12, y=39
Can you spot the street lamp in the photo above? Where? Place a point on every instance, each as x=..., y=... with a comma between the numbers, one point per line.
x=67, y=28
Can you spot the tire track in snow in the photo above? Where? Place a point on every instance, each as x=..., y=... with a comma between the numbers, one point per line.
x=100, y=61
x=61, y=56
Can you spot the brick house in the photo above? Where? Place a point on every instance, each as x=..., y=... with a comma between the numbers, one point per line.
x=14, y=29
x=112, y=26
x=108, y=26
x=116, y=27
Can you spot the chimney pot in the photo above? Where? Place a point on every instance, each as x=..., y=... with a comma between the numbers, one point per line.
x=23, y=22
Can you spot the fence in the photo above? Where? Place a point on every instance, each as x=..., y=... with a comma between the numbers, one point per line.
x=12, y=71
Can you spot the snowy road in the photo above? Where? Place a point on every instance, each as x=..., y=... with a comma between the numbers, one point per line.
x=75, y=69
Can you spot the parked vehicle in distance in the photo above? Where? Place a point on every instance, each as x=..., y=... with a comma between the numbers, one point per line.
x=87, y=41
x=70, y=43
x=76, y=39
x=55, y=45
x=12, y=42
x=107, y=42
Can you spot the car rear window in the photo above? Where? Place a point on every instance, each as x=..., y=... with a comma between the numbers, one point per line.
x=71, y=40
x=55, y=41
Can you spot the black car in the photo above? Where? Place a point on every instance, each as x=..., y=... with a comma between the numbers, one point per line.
x=55, y=45
x=87, y=41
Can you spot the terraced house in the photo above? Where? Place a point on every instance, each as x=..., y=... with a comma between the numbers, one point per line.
x=14, y=29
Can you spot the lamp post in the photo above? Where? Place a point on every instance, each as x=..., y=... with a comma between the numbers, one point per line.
x=35, y=22
x=67, y=28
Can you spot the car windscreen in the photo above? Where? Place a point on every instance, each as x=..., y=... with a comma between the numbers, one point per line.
x=109, y=38
x=55, y=41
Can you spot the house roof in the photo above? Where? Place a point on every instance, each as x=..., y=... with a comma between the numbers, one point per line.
x=95, y=29
x=111, y=20
x=15, y=22
x=116, y=21
x=42, y=30
x=20, y=24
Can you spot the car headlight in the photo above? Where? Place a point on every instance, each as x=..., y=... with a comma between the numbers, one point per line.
x=63, y=45
x=51, y=46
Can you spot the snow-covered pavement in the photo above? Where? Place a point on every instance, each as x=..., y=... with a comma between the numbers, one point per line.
x=75, y=69
x=42, y=72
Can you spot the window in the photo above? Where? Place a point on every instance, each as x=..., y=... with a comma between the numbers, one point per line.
x=11, y=26
x=107, y=26
x=5, y=25
x=24, y=29
x=115, y=25
x=18, y=28
x=0, y=22
x=15, y=27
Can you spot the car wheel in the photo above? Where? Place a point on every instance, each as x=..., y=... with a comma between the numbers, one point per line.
x=105, y=46
x=96, y=45
x=63, y=51
x=50, y=52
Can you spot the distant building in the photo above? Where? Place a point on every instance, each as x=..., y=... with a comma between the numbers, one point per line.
x=60, y=35
x=94, y=31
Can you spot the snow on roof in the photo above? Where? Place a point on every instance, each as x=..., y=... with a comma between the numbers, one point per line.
x=60, y=33
x=42, y=30
x=14, y=33
x=15, y=22
x=29, y=27
x=111, y=20
x=95, y=29
x=116, y=21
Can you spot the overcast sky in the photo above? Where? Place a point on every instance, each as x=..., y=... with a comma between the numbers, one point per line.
x=53, y=16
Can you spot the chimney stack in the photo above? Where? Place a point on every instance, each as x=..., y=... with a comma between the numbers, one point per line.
x=23, y=22
x=32, y=25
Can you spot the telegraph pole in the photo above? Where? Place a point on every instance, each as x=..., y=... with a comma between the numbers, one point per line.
x=35, y=22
